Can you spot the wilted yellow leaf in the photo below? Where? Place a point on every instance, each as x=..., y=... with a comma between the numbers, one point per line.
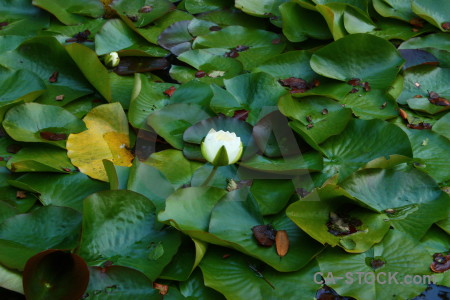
x=106, y=138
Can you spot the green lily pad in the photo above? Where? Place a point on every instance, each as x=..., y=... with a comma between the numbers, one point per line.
x=11, y=280
x=171, y=121
x=221, y=178
x=439, y=41
x=392, y=29
x=142, y=12
x=195, y=287
x=430, y=150
x=434, y=12
x=40, y=159
x=195, y=92
x=314, y=215
x=299, y=23
x=44, y=56
x=375, y=104
x=262, y=44
x=41, y=282
x=18, y=86
x=257, y=93
x=147, y=97
x=59, y=189
x=112, y=87
x=109, y=214
x=199, y=6
x=390, y=254
x=422, y=80
x=119, y=282
x=33, y=122
x=237, y=276
x=410, y=204
x=216, y=68
x=272, y=195
x=57, y=227
x=442, y=126
x=394, y=9
x=359, y=56
x=23, y=18
x=360, y=142
x=176, y=38
x=115, y=35
x=72, y=12
x=258, y=8
x=297, y=165
x=327, y=116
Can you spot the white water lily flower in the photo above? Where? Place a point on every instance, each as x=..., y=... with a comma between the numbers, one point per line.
x=222, y=148
x=112, y=59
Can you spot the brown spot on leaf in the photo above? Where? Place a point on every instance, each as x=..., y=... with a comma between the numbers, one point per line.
x=302, y=192
x=59, y=98
x=383, y=105
x=54, y=77
x=264, y=234
x=162, y=288
x=354, y=90
x=51, y=136
x=309, y=126
x=200, y=74
x=80, y=37
x=327, y=293
x=231, y=54
x=324, y=111
x=377, y=263
x=419, y=126
x=340, y=225
x=215, y=28
x=282, y=242
x=241, y=114
x=169, y=92
x=21, y=194
x=435, y=99
x=66, y=169
x=418, y=96
x=3, y=24
x=133, y=18
x=145, y=9
x=366, y=86
x=446, y=26
x=241, y=48
x=276, y=41
x=416, y=22
x=441, y=263
x=225, y=256
x=309, y=119
x=354, y=82
x=13, y=148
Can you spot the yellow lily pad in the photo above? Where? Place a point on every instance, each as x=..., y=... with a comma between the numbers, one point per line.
x=106, y=138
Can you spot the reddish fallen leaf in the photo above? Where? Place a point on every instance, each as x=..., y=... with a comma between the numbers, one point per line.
x=315, y=82
x=145, y=9
x=59, y=98
x=66, y=169
x=416, y=22
x=446, y=26
x=51, y=136
x=264, y=234
x=3, y=24
x=162, y=288
x=418, y=96
x=377, y=263
x=21, y=194
x=169, y=92
x=419, y=126
x=54, y=77
x=324, y=111
x=440, y=101
x=2, y=159
x=354, y=90
x=441, y=263
x=354, y=82
x=414, y=29
x=294, y=83
x=215, y=28
x=200, y=74
x=241, y=114
x=282, y=243
x=309, y=119
x=403, y=114
x=309, y=126
x=225, y=256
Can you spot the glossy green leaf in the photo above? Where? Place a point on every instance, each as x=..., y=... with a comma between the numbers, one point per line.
x=11, y=280
x=394, y=9
x=391, y=250
x=237, y=276
x=442, y=126
x=119, y=226
x=375, y=104
x=56, y=227
x=72, y=12
x=44, y=56
x=40, y=159
x=195, y=287
x=143, y=11
x=361, y=142
x=434, y=12
x=271, y=195
x=112, y=87
x=171, y=121
x=199, y=6
x=361, y=56
x=67, y=190
x=33, y=122
x=410, y=203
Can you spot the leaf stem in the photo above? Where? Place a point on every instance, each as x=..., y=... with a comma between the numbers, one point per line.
x=210, y=177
